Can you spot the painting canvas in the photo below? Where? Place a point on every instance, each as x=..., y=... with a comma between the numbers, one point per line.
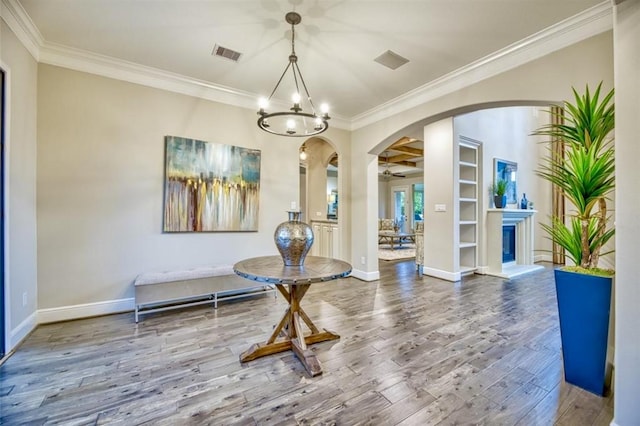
x=210, y=186
x=506, y=170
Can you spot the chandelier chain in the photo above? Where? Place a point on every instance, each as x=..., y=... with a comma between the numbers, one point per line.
x=293, y=39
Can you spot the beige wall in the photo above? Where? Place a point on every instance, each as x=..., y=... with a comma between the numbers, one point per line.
x=546, y=79
x=20, y=187
x=440, y=243
x=100, y=187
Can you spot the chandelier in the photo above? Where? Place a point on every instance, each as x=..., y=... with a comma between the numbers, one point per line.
x=295, y=122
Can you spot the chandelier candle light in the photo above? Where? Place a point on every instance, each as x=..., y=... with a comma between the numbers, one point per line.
x=294, y=122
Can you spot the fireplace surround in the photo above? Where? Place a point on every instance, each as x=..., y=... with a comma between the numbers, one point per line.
x=522, y=221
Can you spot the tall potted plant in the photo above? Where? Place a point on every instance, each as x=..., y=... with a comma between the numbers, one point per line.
x=585, y=174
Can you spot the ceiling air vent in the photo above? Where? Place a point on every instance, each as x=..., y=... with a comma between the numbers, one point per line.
x=223, y=52
x=391, y=60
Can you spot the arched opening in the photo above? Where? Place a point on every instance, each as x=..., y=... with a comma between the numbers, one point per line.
x=400, y=197
x=459, y=152
x=320, y=183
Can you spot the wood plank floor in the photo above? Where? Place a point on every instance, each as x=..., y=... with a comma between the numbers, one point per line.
x=414, y=351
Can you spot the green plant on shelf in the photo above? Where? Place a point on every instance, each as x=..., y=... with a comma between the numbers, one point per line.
x=499, y=187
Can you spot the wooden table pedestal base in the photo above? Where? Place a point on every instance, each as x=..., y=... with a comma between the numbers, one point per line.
x=288, y=334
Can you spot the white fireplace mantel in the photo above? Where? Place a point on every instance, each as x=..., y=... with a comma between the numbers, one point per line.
x=523, y=221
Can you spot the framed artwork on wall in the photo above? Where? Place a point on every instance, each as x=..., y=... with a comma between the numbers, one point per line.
x=210, y=187
x=507, y=170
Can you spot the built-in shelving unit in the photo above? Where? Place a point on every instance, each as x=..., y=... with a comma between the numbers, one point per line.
x=468, y=164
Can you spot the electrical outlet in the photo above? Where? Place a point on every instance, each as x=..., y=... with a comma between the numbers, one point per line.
x=318, y=214
x=363, y=260
x=441, y=207
x=24, y=299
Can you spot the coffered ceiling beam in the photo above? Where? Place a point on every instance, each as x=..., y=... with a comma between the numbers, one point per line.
x=416, y=152
x=383, y=161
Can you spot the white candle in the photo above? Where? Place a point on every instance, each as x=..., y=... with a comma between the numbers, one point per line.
x=293, y=205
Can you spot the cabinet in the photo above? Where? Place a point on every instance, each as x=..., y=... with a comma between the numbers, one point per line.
x=326, y=239
x=468, y=164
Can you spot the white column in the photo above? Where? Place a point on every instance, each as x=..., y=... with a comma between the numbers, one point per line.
x=626, y=42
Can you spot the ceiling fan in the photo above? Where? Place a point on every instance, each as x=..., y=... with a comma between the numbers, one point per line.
x=387, y=174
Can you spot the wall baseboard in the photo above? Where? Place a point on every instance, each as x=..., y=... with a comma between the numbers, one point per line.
x=19, y=333
x=542, y=258
x=482, y=270
x=365, y=276
x=439, y=273
x=65, y=313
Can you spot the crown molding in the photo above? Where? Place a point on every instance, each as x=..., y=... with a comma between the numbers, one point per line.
x=588, y=23
x=93, y=63
x=22, y=26
x=106, y=66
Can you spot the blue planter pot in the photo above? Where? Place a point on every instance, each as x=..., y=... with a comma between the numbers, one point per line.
x=500, y=201
x=584, y=302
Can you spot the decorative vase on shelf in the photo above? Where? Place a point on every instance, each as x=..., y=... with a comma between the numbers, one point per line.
x=293, y=239
x=500, y=201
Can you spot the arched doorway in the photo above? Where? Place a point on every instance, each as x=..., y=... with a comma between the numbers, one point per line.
x=455, y=234
x=320, y=183
x=400, y=194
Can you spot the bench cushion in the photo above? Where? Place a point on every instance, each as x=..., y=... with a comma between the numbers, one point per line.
x=184, y=275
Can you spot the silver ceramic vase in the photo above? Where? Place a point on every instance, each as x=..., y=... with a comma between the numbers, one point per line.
x=293, y=239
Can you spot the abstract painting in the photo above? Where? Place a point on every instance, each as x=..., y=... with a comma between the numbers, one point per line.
x=210, y=186
x=506, y=170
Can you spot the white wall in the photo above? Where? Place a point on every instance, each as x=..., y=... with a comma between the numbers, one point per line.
x=505, y=135
x=627, y=294
x=100, y=187
x=20, y=186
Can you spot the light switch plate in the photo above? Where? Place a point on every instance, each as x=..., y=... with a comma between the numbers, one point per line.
x=441, y=207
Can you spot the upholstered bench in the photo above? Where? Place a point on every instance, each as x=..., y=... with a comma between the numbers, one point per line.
x=161, y=291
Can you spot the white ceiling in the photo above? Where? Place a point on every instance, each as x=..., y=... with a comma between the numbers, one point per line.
x=336, y=42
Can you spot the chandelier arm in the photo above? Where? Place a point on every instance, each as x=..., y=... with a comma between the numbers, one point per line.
x=280, y=80
x=304, y=85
